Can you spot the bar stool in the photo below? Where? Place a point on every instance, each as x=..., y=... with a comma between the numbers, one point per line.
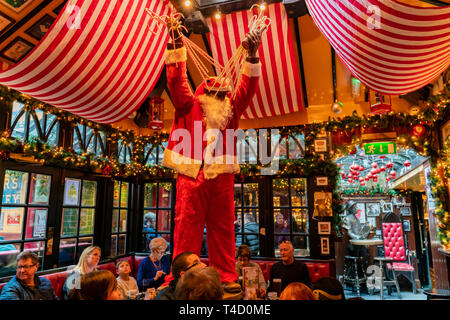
x=385, y=281
x=354, y=272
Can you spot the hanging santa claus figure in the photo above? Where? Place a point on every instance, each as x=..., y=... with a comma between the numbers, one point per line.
x=205, y=182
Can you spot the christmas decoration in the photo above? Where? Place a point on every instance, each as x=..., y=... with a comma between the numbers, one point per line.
x=407, y=163
x=337, y=107
x=418, y=130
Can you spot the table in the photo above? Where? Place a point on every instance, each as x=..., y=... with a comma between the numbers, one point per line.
x=371, y=244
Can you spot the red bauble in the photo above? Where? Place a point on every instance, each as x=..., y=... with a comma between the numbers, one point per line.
x=375, y=179
x=388, y=179
x=363, y=184
x=373, y=171
x=370, y=176
x=383, y=168
x=393, y=173
x=418, y=130
x=350, y=180
x=389, y=165
x=361, y=168
x=382, y=157
x=361, y=179
x=407, y=163
x=374, y=165
x=367, y=178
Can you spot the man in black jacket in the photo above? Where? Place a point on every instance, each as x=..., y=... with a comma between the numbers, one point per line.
x=180, y=265
x=25, y=285
x=251, y=237
x=288, y=270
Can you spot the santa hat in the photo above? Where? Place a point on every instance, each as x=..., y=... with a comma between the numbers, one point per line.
x=216, y=84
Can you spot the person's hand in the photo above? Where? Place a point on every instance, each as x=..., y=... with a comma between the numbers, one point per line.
x=173, y=27
x=253, y=40
x=159, y=274
x=261, y=293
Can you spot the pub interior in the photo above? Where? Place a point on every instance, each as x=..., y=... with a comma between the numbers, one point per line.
x=354, y=118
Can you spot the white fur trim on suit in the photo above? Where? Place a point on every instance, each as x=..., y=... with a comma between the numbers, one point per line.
x=181, y=164
x=219, y=165
x=252, y=69
x=177, y=55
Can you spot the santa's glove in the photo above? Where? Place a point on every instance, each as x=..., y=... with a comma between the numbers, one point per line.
x=174, y=30
x=251, y=44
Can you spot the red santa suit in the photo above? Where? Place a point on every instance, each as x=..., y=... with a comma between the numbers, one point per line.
x=205, y=183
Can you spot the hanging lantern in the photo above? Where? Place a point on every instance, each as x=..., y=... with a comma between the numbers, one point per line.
x=156, y=113
x=380, y=106
x=407, y=163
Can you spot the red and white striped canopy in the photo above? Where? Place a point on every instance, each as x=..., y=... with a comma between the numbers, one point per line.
x=391, y=47
x=279, y=89
x=103, y=70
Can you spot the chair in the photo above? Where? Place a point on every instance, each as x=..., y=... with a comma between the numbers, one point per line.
x=396, y=257
x=354, y=272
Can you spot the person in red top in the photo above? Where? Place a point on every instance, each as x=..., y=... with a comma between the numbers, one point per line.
x=204, y=156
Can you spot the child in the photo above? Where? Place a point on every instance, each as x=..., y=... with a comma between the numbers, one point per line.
x=125, y=283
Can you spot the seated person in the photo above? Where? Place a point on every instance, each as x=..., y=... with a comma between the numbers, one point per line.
x=200, y=284
x=182, y=263
x=288, y=270
x=297, y=291
x=26, y=285
x=125, y=282
x=243, y=260
x=251, y=236
x=153, y=268
x=96, y=285
x=328, y=289
x=89, y=259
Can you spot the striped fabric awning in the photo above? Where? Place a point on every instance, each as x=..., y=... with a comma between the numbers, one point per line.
x=391, y=47
x=279, y=89
x=101, y=69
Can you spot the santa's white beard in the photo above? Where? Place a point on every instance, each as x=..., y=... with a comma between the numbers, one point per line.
x=217, y=112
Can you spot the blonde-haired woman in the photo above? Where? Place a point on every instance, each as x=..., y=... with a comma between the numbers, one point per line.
x=153, y=268
x=88, y=262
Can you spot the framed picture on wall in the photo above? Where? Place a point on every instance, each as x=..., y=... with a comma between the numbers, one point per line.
x=373, y=209
x=40, y=28
x=387, y=207
x=361, y=212
x=15, y=5
x=322, y=181
x=406, y=225
x=5, y=22
x=405, y=211
x=16, y=50
x=321, y=145
x=324, y=227
x=324, y=245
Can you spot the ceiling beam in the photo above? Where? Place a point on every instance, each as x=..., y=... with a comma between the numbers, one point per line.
x=436, y=3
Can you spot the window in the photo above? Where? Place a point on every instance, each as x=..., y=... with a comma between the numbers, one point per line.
x=86, y=140
x=77, y=226
x=247, y=216
x=119, y=218
x=23, y=217
x=154, y=153
x=291, y=146
x=157, y=212
x=290, y=214
x=29, y=124
x=124, y=151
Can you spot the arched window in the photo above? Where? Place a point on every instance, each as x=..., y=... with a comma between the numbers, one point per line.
x=29, y=124
x=89, y=141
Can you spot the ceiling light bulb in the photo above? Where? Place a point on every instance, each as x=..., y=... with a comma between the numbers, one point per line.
x=263, y=6
x=187, y=3
x=218, y=15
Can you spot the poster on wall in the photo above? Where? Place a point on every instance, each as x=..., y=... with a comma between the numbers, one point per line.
x=72, y=192
x=40, y=221
x=42, y=188
x=373, y=209
x=14, y=187
x=361, y=212
x=1, y=220
x=325, y=245
x=322, y=204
